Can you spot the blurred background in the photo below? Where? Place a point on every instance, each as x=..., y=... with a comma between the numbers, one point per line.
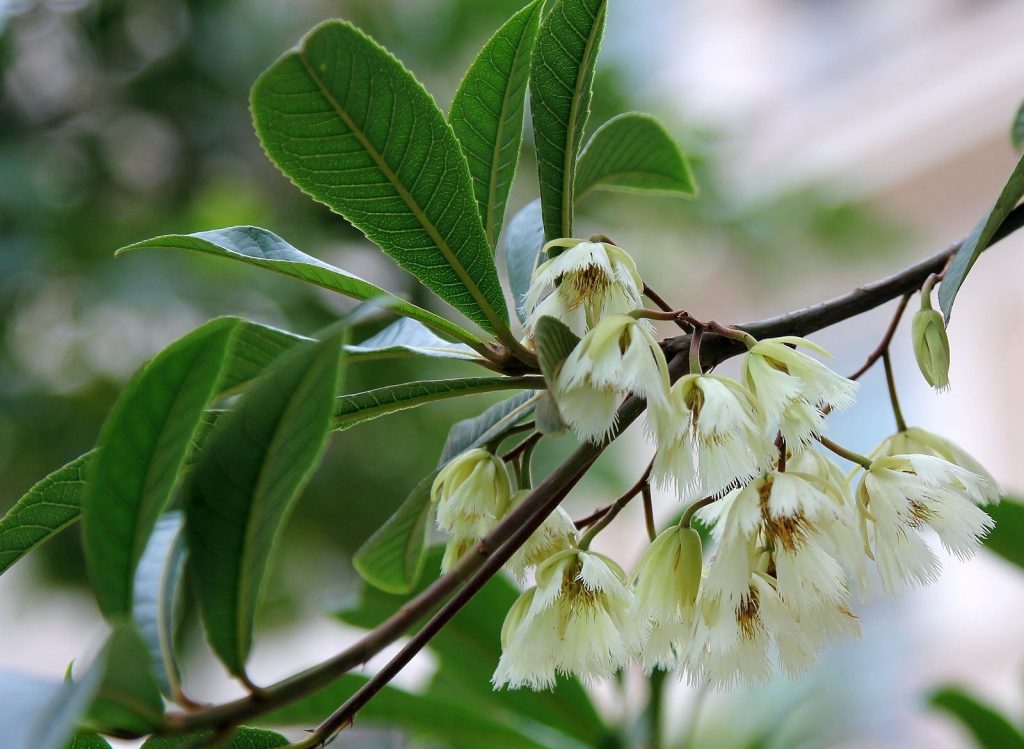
x=834, y=142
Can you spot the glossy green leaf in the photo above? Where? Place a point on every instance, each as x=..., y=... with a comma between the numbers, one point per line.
x=128, y=698
x=142, y=450
x=451, y=723
x=561, y=81
x=89, y=742
x=1017, y=129
x=980, y=238
x=51, y=505
x=263, y=249
x=244, y=738
x=520, y=246
x=404, y=338
x=990, y=729
x=487, y=113
x=634, y=152
x=359, y=407
x=1007, y=537
x=157, y=584
x=40, y=714
x=392, y=559
x=352, y=127
x=254, y=347
x=257, y=461
x=490, y=424
x=468, y=649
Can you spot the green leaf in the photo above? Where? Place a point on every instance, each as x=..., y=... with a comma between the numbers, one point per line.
x=1005, y=539
x=55, y=502
x=980, y=238
x=359, y=407
x=142, y=450
x=352, y=128
x=244, y=738
x=490, y=424
x=634, y=152
x=454, y=724
x=91, y=741
x=468, y=649
x=521, y=245
x=263, y=249
x=392, y=559
x=129, y=698
x=157, y=583
x=47, y=508
x=1017, y=129
x=990, y=729
x=257, y=461
x=40, y=714
x=487, y=113
x=561, y=79
x=406, y=337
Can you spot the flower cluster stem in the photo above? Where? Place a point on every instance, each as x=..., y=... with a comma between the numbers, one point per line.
x=890, y=381
x=842, y=452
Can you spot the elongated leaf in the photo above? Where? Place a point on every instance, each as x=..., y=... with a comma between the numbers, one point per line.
x=561, y=79
x=128, y=698
x=521, y=245
x=244, y=738
x=1017, y=129
x=351, y=127
x=406, y=337
x=481, y=429
x=142, y=450
x=359, y=407
x=468, y=649
x=263, y=249
x=40, y=714
x=989, y=729
x=431, y=718
x=487, y=113
x=157, y=582
x=257, y=461
x=88, y=742
x=55, y=502
x=980, y=238
x=634, y=152
x=47, y=508
x=392, y=559
x=1005, y=539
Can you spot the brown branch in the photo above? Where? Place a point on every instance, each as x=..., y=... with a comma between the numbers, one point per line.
x=473, y=571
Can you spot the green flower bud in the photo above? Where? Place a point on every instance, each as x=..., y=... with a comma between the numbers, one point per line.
x=931, y=346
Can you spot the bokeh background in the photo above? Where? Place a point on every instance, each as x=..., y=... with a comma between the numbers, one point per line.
x=834, y=142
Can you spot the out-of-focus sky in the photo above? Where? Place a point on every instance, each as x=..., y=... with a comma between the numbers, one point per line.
x=838, y=140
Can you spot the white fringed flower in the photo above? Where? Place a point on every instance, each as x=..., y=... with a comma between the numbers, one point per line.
x=472, y=492
x=618, y=356
x=710, y=436
x=573, y=621
x=557, y=533
x=917, y=441
x=666, y=583
x=902, y=493
x=589, y=280
x=793, y=388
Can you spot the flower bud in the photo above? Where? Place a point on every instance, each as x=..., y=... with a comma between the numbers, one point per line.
x=931, y=346
x=472, y=492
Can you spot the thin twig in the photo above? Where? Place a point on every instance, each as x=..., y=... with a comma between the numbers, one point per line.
x=875, y=355
x=890, y=381
x=616, y=507
x=526, y=444
x=652, y=529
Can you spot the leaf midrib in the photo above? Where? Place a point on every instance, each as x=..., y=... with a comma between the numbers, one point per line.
x=569, y=158
x=499, y=326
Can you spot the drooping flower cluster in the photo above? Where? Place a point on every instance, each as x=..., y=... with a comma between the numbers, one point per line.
x=794, y=538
